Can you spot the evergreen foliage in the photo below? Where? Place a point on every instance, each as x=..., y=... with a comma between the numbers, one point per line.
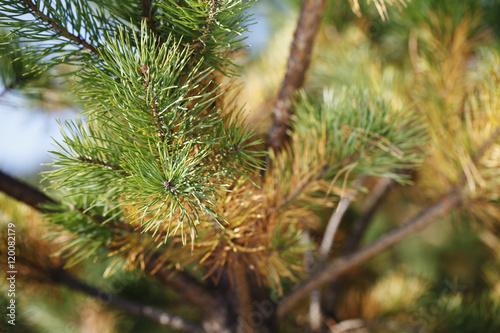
x=163, y=172
x=158, y=147
x=361, y=129
x=153, y=134
x=14, y=69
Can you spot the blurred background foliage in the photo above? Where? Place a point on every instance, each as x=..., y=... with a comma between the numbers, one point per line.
x=440, y=58
x=45, y=90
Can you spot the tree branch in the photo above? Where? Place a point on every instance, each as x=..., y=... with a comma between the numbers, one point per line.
x=23, y=192
x=298, y=62
x=244, y=299
x=334, y=222
x=156, y=315
x=315, y=314
x=35, y=198
x=44, y=272
x=195, y=292
x=348, y=262
x=44, y=18
x=371, y=204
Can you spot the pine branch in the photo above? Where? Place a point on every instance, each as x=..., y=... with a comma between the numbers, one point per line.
x=23, y=192
x=76, y=39
x=161, y=317
x=348, y=262
x=36, y=199
x=212, y=29
x=298, y=62
x=53, y=274
x=194, y=291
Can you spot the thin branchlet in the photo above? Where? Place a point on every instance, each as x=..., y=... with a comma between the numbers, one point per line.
x=145, y=71
x=209, y=22
x=53, y=24
x=97, y=219
x=222, y=154
x=95, y=161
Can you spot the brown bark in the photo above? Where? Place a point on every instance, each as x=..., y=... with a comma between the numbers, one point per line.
x=298, y=62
